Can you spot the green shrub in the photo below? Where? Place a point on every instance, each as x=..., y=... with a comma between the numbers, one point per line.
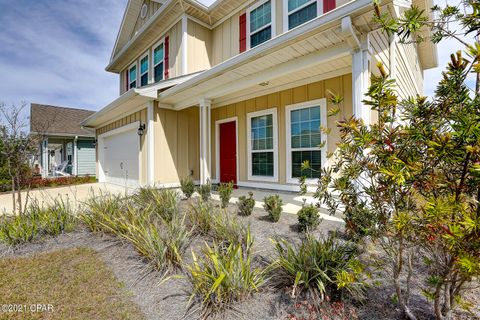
x=273, y=205
x=205, y=190
x=19, y=229
x=162, y=201
x=220, y=277
x=225, y=191
x=308, y=217
x=245, y=205
x=201, y=217
x=319, y=266
x=187, y=186
x=104, y=213
x=52, y=219
x=162, y=245
x=227, y=230
x=158, y=235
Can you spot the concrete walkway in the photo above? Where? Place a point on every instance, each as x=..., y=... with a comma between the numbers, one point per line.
x=76, y=194
x=292, y=202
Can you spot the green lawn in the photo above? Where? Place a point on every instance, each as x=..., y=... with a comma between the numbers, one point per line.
x=75, y=282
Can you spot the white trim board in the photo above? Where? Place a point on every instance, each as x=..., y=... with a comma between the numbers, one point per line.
x=250, y=115
x=323, y=123
x=217, y=146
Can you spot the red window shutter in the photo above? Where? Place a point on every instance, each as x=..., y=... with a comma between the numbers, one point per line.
x=243, y=32
x=165, y=59
x=328, y=5
x=126, y=81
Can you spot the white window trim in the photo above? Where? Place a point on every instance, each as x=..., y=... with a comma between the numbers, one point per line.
x=158, y=43
x=286, y=13
x=146, y=54
x=217, y=146
x=272, y=22
x=273, y=112
x=323, y=123
x=136, y=75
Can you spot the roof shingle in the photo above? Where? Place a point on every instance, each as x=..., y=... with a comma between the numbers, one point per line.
x=58, y=121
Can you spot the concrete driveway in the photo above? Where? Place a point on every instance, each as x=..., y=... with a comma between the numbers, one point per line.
x=76, y=194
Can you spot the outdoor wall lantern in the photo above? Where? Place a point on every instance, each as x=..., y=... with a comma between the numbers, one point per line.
x=94, y=143
x=141, y=128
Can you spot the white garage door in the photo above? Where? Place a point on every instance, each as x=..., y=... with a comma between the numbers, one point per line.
x=120, y=160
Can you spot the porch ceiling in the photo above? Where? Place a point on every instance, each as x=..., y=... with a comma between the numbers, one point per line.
x=303, y=57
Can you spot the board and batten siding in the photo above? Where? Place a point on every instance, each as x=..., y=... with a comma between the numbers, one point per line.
x=199, y=47
x=408, y=74
x=152, y=8
x=86, y=157
x=140, y=115
x=177, y=150
x=341, y=85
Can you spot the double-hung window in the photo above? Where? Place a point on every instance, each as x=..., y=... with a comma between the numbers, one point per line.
x=304, y=139
x=144, y=71
x=260, y=26
x=301, y=11
x=132, y=76
x=262, y=145
x=158, y=62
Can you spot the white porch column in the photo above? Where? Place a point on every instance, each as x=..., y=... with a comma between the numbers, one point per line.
x=44, y=158
x=75, y=157
x=150, y=143
x=361, y=81
x=205, y=146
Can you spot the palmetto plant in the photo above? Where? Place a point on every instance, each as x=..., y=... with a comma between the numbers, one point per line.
x=221, y=276
x=319, y=266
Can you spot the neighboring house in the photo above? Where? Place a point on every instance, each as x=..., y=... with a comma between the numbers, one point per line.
x=66, y=148
x=237, y=91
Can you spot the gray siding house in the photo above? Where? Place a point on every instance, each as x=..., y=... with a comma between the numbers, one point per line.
x=66, y=147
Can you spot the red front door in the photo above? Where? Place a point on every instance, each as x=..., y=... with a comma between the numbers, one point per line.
x=228, y=152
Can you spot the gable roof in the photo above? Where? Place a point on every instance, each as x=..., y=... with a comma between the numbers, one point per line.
x=58, y=121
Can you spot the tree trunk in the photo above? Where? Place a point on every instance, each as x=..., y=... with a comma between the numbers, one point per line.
x=13, y=197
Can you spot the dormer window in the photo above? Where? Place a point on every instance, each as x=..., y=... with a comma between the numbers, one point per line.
x=144, y=71
x=260, y=23
x=158, y=62
x=132, y=76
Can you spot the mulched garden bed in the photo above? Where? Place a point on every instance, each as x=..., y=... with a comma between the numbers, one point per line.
x=168, y=300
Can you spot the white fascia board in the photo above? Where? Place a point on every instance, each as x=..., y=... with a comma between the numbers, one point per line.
x=261, y=49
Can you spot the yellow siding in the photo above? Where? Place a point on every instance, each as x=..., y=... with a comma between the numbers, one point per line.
x=340, y=85
x=176, y=144
x=175, y=54
x=199, y=48
x=152, y=8
x=226, y=39
x=381, y=50
x=408, y=74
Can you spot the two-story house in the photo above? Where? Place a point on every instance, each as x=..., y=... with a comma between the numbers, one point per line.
x=237, y=91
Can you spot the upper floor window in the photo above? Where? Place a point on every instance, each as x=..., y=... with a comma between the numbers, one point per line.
x=158, y=61
x=144, y=71
x=132, y=77
x=301, y=11
x=260, y=26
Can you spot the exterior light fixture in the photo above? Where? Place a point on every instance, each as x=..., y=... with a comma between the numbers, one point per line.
x=141, y=129
x=94, y=143
x=264, y=84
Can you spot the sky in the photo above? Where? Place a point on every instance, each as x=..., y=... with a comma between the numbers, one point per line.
x=55, y=52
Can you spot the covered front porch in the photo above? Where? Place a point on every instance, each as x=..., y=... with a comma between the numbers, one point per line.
x=246, y=105
x=59, y=156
